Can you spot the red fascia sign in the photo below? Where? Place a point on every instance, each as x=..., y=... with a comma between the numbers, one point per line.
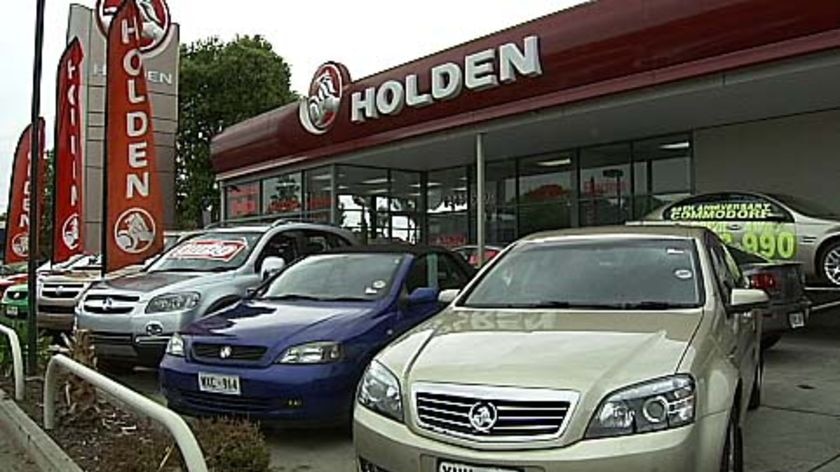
x=133, y=202
x=482, y=70
x=67, y=217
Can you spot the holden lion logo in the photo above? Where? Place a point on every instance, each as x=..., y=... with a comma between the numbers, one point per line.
x=319, y=110
x=70, y=232
x=156, y=21
x=483, y=416
x=225, y=352
x=135, y=231
x=20, y=245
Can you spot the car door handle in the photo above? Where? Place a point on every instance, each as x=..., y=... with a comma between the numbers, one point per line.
x=734, y=227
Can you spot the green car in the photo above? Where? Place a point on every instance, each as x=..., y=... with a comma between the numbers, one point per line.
x=14, y=305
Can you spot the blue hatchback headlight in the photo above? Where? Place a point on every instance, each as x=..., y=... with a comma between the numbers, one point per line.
x=312, y=353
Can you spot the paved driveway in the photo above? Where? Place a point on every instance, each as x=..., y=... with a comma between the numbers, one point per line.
x=797, y=429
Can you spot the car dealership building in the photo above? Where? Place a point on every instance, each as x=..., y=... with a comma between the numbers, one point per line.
x=588, y=116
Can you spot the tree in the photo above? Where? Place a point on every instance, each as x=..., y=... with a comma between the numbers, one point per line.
x=220, y=84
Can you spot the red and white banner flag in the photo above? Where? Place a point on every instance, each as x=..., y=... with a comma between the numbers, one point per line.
x=133, y=199
x=18, y=221
x=67, y=213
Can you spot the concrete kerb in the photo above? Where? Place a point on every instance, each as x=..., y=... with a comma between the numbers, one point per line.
x=37, y=444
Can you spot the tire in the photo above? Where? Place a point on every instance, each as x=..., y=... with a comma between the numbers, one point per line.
x=732, y=459
x=770, y=340
x=755, y=395
x=828, y=264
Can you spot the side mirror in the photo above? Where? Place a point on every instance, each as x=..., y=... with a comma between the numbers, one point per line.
x=423, y=295
x=747, y=299
x=448, y=296
x=271, y=266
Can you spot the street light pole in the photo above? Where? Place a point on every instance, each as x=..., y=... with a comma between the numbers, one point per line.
x=35, y=190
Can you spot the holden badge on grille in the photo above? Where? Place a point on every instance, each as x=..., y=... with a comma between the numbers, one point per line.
x=225, y=352
x=483, y=416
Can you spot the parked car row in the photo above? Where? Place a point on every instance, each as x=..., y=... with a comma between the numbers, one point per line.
x=631, y=346
x=585, y=349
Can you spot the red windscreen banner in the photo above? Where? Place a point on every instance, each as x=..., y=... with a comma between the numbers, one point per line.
x=67, y=216
x=18, y=221
x=133, y=200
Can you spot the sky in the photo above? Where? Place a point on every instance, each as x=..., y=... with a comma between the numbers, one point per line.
x=365, y=35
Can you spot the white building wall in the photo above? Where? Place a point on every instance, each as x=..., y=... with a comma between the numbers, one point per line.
x=797, y=155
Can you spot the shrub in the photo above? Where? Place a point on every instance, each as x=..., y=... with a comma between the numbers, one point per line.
x=232, y=445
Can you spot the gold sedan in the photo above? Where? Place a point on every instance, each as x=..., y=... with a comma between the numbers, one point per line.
x=619, y=348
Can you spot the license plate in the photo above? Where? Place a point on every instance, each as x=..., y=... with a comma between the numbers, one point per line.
x=11, y=311
x=445, y=466
x=797, y=320
x=216, y=383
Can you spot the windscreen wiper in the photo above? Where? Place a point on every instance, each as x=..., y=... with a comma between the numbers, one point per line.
x=346, y=299
x=293, y=296
x=656, y=305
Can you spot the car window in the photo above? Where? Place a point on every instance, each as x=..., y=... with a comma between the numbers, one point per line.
x=449, y=274
x=418, y=276
x=614, y=274
x=214, y=251
x=727, y=207
x=435, y=270
x=806, y=207
x=283, y=245
x=743, y=257
x=726, y=279
x=315, y=242
x=336, y=277
x=733, y=267
x=336, y=241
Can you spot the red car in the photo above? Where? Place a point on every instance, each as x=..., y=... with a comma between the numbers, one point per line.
x=470, y=253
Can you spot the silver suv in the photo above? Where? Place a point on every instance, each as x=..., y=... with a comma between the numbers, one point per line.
x=132, y=317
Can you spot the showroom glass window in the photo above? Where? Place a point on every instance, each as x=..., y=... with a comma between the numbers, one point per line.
x=448, y=207
x=605, y=185
x=362, y=201
x=318, y=190
x=547, y=192
x=242, y=200
x=405, y=206
x=661, y=172
x=499, y=200
x=283, y=195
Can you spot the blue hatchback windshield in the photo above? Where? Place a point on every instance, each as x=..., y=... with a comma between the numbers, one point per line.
x=615, y=274
x=337, y=277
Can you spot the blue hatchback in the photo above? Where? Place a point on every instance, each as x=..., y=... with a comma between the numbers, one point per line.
x=294, y=352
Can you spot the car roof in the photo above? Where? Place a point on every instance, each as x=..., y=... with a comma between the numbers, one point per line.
x=413, y=249
x=280, y=224
x=663, y=230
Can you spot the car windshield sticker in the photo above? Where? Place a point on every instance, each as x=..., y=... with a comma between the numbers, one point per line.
x=210, y=250
x=753, y=211
x=371, y=291
x=683, y=274
x=675, y=252
x=379, y=284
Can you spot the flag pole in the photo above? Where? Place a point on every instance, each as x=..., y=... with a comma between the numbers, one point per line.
x=34, y=185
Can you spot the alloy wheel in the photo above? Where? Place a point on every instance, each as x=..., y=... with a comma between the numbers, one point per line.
x=831, y=265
